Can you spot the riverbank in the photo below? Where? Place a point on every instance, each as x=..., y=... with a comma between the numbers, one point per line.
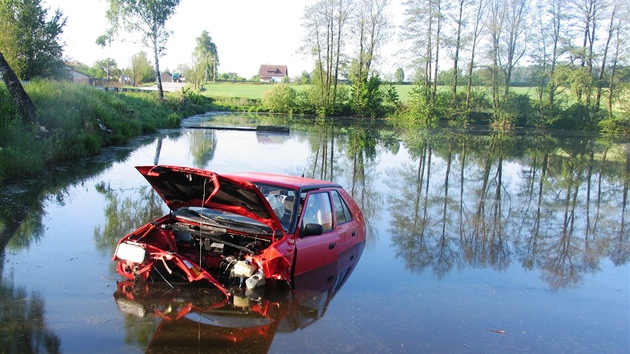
x=77, y=121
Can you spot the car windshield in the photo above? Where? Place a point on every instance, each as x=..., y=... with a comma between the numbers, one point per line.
x=282, y=201
x=222, y=219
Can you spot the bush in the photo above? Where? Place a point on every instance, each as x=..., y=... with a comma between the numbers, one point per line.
x=280, y=99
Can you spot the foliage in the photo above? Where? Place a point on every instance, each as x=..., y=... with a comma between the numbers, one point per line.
x=29, y=39
x=140, y=69
x=106, y=69
x=305, y=78
x=147, y=17
x=367, y=98
x=206, y=57
x=281, y=98
x=516, y=111
x=616, y=126
x=80, y=120
x=231, y=76
x=20, y=152
x=326, y=24
x=420, y=108
x=399, y=75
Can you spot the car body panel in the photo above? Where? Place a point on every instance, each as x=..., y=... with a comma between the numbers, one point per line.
x=185, y=186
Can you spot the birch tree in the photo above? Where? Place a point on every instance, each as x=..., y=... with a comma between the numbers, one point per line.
x=476, y=37
x=421, y=33
x=325, y=23
x=370, y=27
x=147, y=17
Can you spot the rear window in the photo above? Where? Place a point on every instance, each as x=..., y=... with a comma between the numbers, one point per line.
x=341, y=209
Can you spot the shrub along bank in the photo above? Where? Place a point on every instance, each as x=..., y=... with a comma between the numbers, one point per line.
x=77, y=121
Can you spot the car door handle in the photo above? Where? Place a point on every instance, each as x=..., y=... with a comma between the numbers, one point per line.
x=353, y=233
x=332, y=245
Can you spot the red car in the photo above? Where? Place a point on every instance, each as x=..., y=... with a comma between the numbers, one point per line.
x=239, y=230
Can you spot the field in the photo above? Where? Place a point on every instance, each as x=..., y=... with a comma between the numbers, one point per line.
x=256, y=90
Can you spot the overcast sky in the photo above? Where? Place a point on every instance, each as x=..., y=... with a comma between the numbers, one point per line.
x=247, y=33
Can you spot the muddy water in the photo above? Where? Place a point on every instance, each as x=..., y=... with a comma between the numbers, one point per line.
x=477, y=242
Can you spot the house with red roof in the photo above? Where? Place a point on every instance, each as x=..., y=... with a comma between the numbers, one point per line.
x=272, y=73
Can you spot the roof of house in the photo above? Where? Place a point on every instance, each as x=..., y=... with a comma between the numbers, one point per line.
x=267, y=70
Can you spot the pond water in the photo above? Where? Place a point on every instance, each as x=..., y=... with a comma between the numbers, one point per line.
x=477, y=242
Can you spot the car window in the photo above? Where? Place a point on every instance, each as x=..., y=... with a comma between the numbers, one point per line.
x=341, y=208
x=318, y=211
x=281, y=201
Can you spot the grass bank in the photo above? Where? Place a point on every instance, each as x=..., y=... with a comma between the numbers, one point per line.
x=80, y=120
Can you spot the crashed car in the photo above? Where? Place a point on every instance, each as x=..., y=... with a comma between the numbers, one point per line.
x=193, y=319
x=241, y=229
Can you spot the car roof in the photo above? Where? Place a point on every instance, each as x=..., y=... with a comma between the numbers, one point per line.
x=287, y=181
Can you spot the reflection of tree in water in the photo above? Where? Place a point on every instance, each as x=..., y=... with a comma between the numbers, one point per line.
x=620, y=247
x=140, y=330
x=487, y=241
x=349, y=153
x=124, y=214
x=23, y=204
x=565, y=212
x=203, y=144
x=22, y=325
x=421, y=234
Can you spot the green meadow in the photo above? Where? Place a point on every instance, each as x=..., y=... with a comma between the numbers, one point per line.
x=253, y=90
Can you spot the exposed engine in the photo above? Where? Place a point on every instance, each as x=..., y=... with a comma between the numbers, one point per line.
x=226, y=255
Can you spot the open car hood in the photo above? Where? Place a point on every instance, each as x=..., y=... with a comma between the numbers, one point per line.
x=190, y=187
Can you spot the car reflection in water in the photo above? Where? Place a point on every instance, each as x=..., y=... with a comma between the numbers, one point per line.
x=201, y=318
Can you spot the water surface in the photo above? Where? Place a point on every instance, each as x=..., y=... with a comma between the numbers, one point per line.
x=477, y=242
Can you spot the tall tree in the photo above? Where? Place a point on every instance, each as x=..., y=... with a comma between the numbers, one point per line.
x=495, y=23
x=422, y=31
x=325, y=23
x=106, y=69
x=515, y=38
x=475, y=39
x=30, y=39
x=621, y=49
x=612, y=28
x=140, y=68
x=370, y=25
x=548, y=48
x=459, y=22
x=399, y=75
x=207, y=56
x=148, y=17
x=587, y=14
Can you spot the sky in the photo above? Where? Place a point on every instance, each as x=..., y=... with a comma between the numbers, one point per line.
x=247, y=33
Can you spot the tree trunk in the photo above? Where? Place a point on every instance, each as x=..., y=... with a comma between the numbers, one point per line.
x=25, y=105
x=475, y=39
x=600, y=79
x=438, y=31
x=157, y=66
x=457, y=46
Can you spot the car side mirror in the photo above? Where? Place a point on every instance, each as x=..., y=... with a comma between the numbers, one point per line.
x=312, y=230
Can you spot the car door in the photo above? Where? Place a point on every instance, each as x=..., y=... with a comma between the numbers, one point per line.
x=345, y=223
x=313, y=251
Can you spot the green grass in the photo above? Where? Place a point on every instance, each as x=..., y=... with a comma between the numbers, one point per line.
x=80, y=120
x=235, y=90
x=252, y=90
